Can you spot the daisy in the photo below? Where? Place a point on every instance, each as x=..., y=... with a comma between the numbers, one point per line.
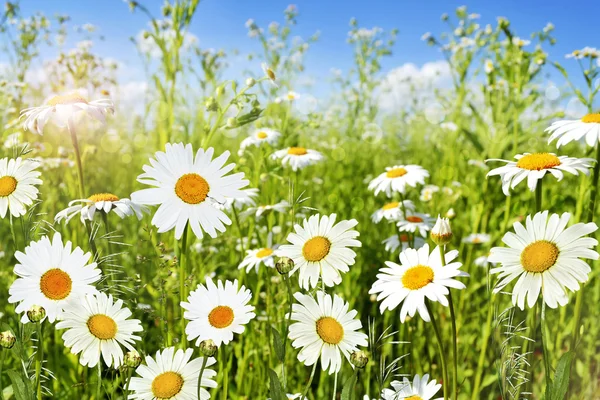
x=103, y=202
x=186, y=188
x=420, y=275
x=98, y=326
x=298, y=157
x=420, y=389
x=292, y=96
x=545, y=256
x=18, y=181
x=260, y=136
x=171, y=375
x=324, y=328
x=260, y=211
x=269, y=73
x=393, y=211
x=264, y=255
x=51, y=274
x=477, y=238
x=567, y=131
x=217, y=311
x=397, y=178
x=416, y=222
x=534, y=167
x=393, y=242
x=62, y=109
x=246, y=199
x=320, y=248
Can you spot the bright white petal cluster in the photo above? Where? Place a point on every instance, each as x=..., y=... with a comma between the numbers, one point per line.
x=260, y=211
x=186, y=189
x=260, y=136
x=265, y=255
x=102, y=202
x=50, y=275
x=298, y=157
x=420, y=388
x=396, y=179
x=419, y=276
x=324, y=328
x=477, y=238
x=534, y=166
x=416, y=222
x=98, y=326
x=393, y=211
x=18, y=181
x=321, y=248
x=545, y=256
x=171, y=375
x=216, y=312
x=567, y=131
x=247, y=199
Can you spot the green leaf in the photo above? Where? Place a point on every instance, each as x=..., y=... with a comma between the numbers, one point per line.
x=22, y=390
x=278, y=344
x=562, y=376
x=275, y=388
x=348, y=390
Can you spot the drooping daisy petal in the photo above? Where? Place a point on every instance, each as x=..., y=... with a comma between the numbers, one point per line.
x=101, y=202
x=567, y=131
x=419, y=389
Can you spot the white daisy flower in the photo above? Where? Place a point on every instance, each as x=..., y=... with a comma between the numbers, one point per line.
x=269, y=73
x=477, y=238
x=393, y=242
x=260, y=136
x=292, y=396
x=61, y=109
x=171, y=375
x=265, y=255
x=102, y=202
x=187, y=188
x=567, y=131
x=292, y=96
x=324, y=328
x=98, y=326
x=246, y=199
x=420, y=389
x=18, y=181
x=545, y=256
x=397, y=178
x=321, y=248
x=51, y=274
x=535, y=166
x=217, y=311
x=416, y=222
x=420, y=275
x=298, y=157
x=260, y=211
x=393, y=211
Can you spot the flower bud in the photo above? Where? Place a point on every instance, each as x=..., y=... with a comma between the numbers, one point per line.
x=7, y=339
x=208, y=348
x=441, y=234
x=132, y=359
x=250, y=82
x=359, y=359
x=284, y=265
x=211, y=104
x=231, y=122
x=36, y=313
x=450, y=214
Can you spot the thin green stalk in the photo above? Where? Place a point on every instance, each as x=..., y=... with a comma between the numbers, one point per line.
x=547, y=362
x=71, y=128
x=182, y=274
x=2, y=358
x=38, y=360
x=441, y=349
x=99, y=387
x=335, y=379
x=482, y=353
x=225, y=375
x=454, y=333
x=12, y=232
x=129, y=373
x=538, y=196
x=307, y=388
x=204, y=361
x=288, y=284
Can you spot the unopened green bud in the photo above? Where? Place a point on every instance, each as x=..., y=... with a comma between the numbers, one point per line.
x=359, y=359
x=36, y=313
x=211, y=104
x=250, y=82
x=208, y=348
x=7, y=339
x=132, y=359
x=284, y=265
x=231, y=122
x=441, y=234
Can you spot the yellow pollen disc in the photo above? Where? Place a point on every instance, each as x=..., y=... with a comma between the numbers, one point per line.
x=70, y=98
x=403, y=238
x=417, y=277
x=396, y=173
x=539, y=256
x=271, y=74
x=261, y=135
x=591, y=118
x=103, y=197
x=415, y=397
x=192, y=188
x=167, y=385
x=262, y=253
x=8, y=185
x=221, y=317
x=316, y=249
x=330, y=330
x=297, y=151
x=102, y=326
x=291, y=97
x=390, y=206
x=538, y=161
x=55, y=284
x=414, y=219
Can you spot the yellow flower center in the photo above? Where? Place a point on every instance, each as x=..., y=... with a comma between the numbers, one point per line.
x=415, y=397
x=591, y=118
x=403, y=238
x=330, y=330
x=417, y=277
x=167, y=385
x=103, y=197
x=8, y=185
x=262, y=253
x=70, y=98
x=390, y=206
x=414, y=219
x=271, y=74
x=477, y=240
x=316, y=249
x=539, y=256
x=56, y=284
x=297, y=151
x=396, y=172
x=261, y=135
x=291, y=96
x=102, y=326
x=221, y=317
x=192, y=188
x=538, y=161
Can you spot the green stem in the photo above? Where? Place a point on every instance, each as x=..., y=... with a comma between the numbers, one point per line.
x=225, y=375
x=286, y=278
x=71, y=128
x=454, y=333
x=38, y=361
x=204, y=361
x=438, y=336
x=99, y=387
x=335, y=379
x=129, y=373
x=307, y=388
x=2, y=358
x=547, y=362
x=182, y=275
x=12, y=231
x=538, y=196
x=481, y=362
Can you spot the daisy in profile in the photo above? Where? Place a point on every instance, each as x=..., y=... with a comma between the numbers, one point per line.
x=477, y=238
x=260, y=136
x=61, y=109
x=393, y=211
x=186, y=189
x=420, y=389
x=171, y=375
x=101, y=202
x=18, y=181
x=264, y=255
x=50, y=274
x=395, y=179
x=248, y=198
x=263, y=210
x=97, y=326
x=545, y=256
x=269, y=73
x=416, y=222
x=321, y=248
x=324, y=328
x=420, y=275
x=567, y=131
x=534, y=166
x=297, y=157
x=217, y=311
x=394, y=242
